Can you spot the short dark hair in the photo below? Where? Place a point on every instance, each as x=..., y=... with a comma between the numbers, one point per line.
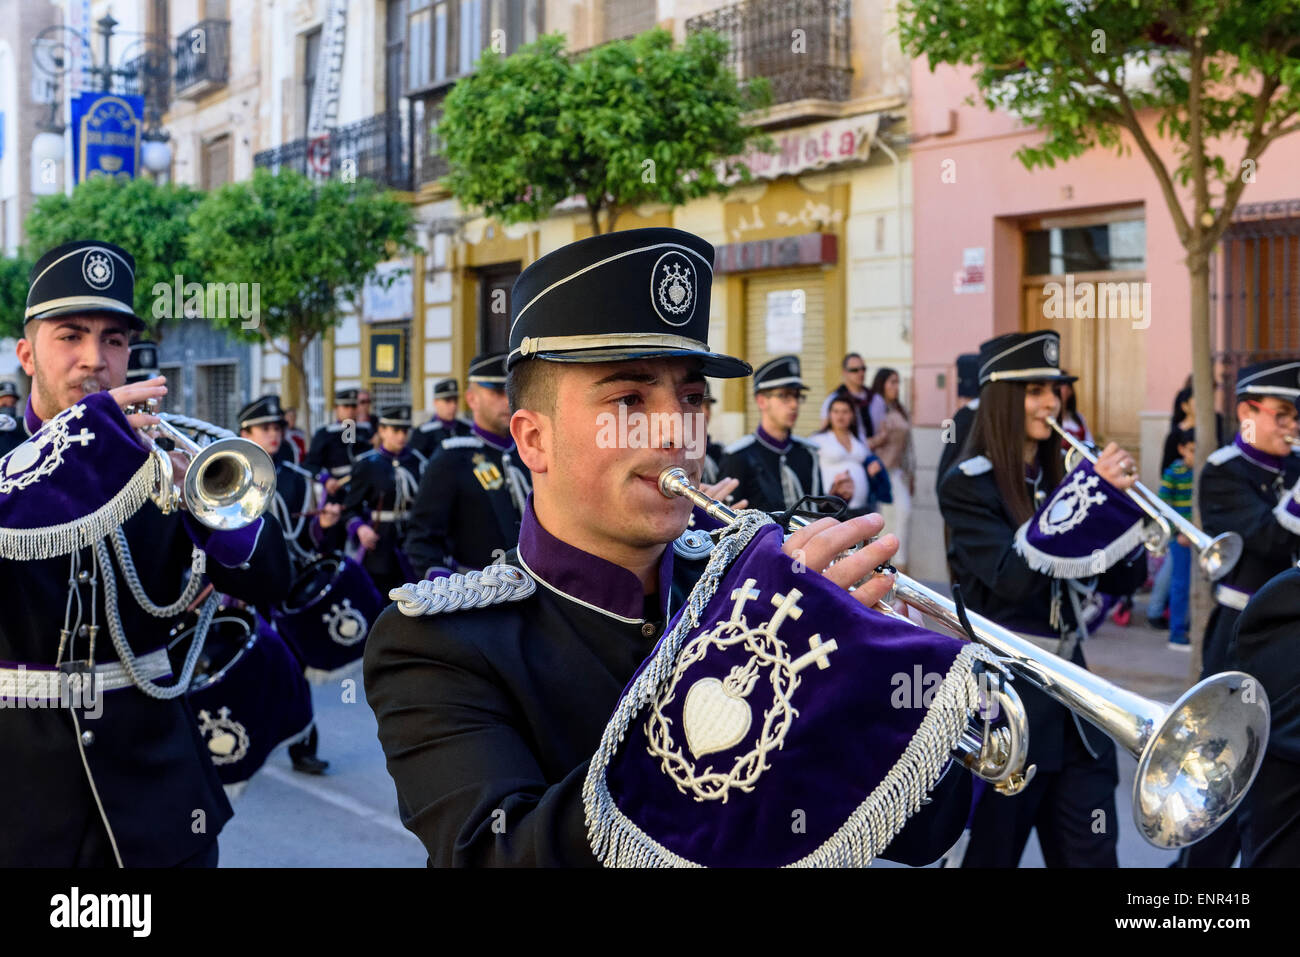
x=531, y=384
x=844, y=363
x=1184, y=436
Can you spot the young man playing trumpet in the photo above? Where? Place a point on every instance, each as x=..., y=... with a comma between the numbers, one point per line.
x=124, y=779
x=490, y=716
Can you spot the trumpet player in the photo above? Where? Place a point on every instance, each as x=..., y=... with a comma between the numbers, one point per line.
x=124, y=780
x=1241, y=487
x=491, y=711
x=1011, y=465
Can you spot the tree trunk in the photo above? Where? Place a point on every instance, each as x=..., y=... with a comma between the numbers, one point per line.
x=595, y=218
x=1198, y=269
x=297, y=391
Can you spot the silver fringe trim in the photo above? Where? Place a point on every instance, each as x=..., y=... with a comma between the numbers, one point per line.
x=34, y=544
x=617, y=842
x=1085, y=566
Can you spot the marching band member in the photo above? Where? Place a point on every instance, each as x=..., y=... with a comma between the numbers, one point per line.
x=379, y=498
x=1265, y=644
x=472, y=494
x=773, y=467
x=1011, y=463
x=445, y=424
x=713, y=451
x=336, y=447
x=11, y=434
x=968, y=399
x=1241, y=487
x=490, y=715
x=134, y=784
x=296, y=498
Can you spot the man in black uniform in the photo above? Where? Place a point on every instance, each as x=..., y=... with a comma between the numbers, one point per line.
x=296, y=498
x=489, y=716
x=336, y=447
x=1266, y=646
x=445, y=424
x=713, y=451
x=774, y=467
x=1240, y=489
x=968, y=395
x=472, y=493
x=379, y=498
x=11, y=434
x=134, y=786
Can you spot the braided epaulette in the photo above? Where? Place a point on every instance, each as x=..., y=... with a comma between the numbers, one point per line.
x=491, y=586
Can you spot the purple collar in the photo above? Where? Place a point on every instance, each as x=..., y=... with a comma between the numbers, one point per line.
x=776, y=445
x=585, y=578
x=1263, y=459
x=31, y=419
x=498, y=442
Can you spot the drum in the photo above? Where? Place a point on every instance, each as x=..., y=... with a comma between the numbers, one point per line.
x=327, y=615
x=248, y=693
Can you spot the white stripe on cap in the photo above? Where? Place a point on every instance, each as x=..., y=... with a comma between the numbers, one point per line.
x=1018, y=345
x=1012, y=374
x=531, y=345
x=1271, y=390
x=608, y=259
x=81, y=251
x=779, y=383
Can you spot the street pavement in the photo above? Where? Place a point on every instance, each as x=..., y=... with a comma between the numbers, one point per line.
x=348, y=816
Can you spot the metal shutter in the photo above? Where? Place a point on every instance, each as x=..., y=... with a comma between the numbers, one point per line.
x=812, y=355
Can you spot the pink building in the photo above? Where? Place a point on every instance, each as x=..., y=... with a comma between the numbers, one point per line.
x=1000, y=249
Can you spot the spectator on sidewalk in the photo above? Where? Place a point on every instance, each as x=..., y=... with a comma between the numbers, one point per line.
x=848, y=469
x=853, y=377
x=893, y=443
x=1176, y=487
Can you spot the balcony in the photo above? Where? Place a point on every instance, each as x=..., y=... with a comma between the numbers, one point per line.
x=202, y=58
x=375, y=148
x=762, y=42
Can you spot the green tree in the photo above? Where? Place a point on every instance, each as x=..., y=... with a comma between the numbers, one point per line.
x=1218, y=77
x=1215, y=80
x=309, y=248
x=13, y=295
x=630, y=122
x=147, y=220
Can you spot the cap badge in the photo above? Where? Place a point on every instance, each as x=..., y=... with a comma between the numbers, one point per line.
x=1051, y=351
x=97, y=269
x=673, y=288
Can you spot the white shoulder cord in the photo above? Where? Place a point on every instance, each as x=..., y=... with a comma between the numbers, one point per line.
x=190, y=592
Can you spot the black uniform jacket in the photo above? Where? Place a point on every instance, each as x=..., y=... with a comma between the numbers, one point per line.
x=1239, y=488
x=465, y=515
x=997, y=583
x=488, y=717
x=1268, y=647
x=755, y=461
x=962, y=420
x=713, y=455
x=12, y=433
x=329, y=456
x=374, y=489
x=144, y=758
x=293, y=499
x=428, y=438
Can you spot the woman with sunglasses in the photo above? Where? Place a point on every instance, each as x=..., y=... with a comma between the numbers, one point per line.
x=1010, y=465
x=1240, y=488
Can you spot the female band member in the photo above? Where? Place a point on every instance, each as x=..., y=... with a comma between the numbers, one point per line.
x=1010, y=464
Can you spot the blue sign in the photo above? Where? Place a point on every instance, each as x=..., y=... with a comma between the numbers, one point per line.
x=106, y=131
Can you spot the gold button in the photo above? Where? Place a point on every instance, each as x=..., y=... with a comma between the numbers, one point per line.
x=648, y=629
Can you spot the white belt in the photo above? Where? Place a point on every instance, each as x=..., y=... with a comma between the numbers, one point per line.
x=1231, y=597
x=50, y=684
x=387, y=516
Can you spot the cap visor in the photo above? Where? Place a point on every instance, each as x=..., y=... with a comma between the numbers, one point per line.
x=135, y=322
x=711, y=363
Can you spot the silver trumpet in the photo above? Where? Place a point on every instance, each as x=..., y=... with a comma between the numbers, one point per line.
x=1196, y=758
x=229, y=481
x=1217, y=555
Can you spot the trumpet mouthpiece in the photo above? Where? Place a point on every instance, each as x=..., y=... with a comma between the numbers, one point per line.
x=672, y=481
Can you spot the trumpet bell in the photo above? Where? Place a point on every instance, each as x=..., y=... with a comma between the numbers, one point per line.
x=1201, y=760
x=229, y=483
x=1221, y=555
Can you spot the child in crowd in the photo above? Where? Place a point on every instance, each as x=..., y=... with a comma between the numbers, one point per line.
x=1176, y=486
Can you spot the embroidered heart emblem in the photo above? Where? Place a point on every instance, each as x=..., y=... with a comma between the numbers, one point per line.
x=222, y=744
x=348, y=627
x=713, y=720
x=1061, y=511
x=677, y=292
x=23, y=458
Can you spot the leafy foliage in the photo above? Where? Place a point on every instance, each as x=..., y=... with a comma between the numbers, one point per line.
x=629, y=122
x=13, y=295
x=147, y=220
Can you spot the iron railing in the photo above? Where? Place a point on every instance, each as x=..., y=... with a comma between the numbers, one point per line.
x=800, y=46
x=374, y=148
x=203, y=57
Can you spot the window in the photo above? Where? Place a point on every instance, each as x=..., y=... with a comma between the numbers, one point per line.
x=495, y=284
x=216, y=162
x=627, y=18
x=174, y=400
x=1104, y=247
x=216, y=395
x=392, y=393
x=216, y=9
x=310, y=55
x=445, y=38
x=472, y=39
